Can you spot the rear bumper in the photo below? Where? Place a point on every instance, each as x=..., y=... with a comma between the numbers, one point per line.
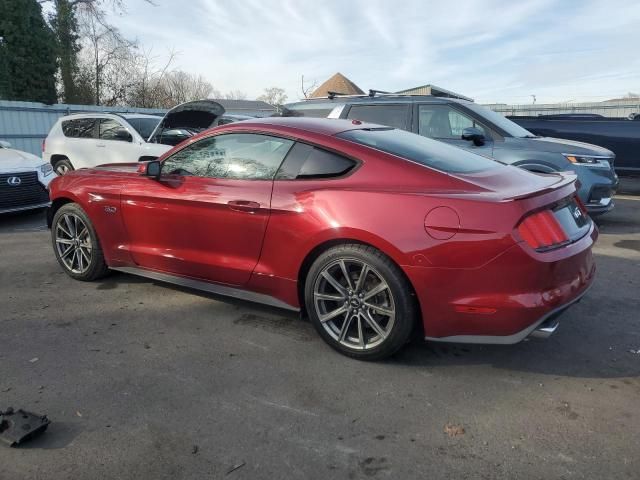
x=507, y=299
x=542, y=328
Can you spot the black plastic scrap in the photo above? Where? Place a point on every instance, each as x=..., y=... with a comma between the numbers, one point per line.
x=19, y=426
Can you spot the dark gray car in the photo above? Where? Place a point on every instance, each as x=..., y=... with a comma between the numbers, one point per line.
x=479, y=130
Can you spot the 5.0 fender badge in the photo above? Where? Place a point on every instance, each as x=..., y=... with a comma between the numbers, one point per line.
x=109, y=209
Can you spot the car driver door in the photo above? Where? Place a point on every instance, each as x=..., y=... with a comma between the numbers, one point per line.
x=205, y=216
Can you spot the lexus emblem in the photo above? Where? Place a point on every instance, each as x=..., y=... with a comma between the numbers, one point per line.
x=14, y=181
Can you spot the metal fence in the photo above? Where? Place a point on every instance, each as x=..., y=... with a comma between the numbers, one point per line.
x=617, y=109
x=26, y=124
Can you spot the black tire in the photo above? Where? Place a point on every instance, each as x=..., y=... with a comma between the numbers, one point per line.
x=63, y=166
x=96, y=267
x=397, y=297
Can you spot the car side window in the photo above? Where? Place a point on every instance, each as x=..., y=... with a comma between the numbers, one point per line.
x=79, y=128
x=307, y=162
x=113, y=130
x=442, y=121
x=395, y=116
x=234, y=155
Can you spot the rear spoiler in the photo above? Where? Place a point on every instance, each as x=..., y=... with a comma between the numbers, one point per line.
x=565, y=179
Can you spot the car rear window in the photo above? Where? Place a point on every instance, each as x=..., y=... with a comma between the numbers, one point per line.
x=79, y=128
x=416, y=148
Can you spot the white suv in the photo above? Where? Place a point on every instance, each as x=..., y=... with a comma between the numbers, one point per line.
x=89, y=139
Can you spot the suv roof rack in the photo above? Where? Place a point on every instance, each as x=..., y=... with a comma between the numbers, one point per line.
x=381, y=93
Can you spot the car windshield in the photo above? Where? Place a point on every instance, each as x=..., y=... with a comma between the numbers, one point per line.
x=417, y=148
x=144, y=125
x=500, y=121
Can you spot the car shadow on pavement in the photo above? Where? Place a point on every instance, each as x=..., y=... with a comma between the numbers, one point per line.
x=30, y=221
x=65, y=433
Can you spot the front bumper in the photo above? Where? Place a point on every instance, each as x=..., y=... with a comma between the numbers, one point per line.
x=22, y=190
x=507, y=299
x=600, y=198
x=598, y=187
x=25, y=207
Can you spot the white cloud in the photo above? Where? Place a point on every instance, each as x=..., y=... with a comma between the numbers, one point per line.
x=488, y=49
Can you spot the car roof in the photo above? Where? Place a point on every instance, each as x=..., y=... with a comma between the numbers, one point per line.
x=322, y=126
x=382, y=99
x=108, y=115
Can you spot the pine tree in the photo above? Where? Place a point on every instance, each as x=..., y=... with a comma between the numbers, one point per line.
x=65, y=28
x=29, y=52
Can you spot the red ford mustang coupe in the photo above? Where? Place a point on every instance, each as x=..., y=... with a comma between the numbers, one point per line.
x=372, y=231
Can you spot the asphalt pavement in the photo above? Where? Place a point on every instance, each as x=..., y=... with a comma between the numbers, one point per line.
x=143, y=380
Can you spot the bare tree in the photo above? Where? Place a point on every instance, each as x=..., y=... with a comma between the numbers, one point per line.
x=109, y=53
x=179, y=87
x=235, y=95
x=309, y=89
x=273, y=96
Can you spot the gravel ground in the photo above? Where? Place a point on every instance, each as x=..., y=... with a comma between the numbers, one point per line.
x=148, y=381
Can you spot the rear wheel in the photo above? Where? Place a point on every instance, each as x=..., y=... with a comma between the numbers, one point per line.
x=63, y=166
x=360, y=302
x=76, y=244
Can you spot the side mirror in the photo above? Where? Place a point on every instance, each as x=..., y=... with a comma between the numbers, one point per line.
x=150, y=169
x=475, y=135
x=4, y=144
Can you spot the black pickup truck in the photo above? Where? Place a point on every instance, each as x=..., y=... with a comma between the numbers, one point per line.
x=621, y=136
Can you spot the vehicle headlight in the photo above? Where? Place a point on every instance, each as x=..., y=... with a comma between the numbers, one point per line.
x=46, y=169
x=587, y=160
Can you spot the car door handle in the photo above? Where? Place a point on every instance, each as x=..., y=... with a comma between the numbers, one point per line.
x=243, y=206
x=100, y=145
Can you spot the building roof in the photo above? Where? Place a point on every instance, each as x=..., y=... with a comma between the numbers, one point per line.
x=338, y=84
x=238, y=105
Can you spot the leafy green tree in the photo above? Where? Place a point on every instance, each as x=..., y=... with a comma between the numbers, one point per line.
x=29, y=51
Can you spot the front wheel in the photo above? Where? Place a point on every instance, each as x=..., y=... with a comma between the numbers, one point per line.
x=360, y=302
x=76, y=244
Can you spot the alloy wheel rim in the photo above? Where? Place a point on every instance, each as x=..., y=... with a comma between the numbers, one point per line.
x=73, y=243
x=354, y=304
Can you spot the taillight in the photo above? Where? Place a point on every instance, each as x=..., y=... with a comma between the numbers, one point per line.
x=542, y=231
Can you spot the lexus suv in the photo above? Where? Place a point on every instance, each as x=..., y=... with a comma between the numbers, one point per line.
x=89, y=139
x=480, y=130
x=24, y=179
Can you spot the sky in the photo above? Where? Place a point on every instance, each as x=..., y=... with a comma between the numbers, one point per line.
x=491, y=50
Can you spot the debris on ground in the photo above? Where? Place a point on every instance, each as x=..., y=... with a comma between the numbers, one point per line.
x=194, y=449
x=635, y=351
x=34, y=360
x=453, y=430
x=235, y=467
x=19, y=426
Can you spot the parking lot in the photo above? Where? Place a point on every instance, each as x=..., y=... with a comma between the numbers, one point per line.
x=149, y=381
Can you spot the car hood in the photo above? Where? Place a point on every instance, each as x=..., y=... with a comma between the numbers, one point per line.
x=560, y=145
x=190, y=116
x=11, y=160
